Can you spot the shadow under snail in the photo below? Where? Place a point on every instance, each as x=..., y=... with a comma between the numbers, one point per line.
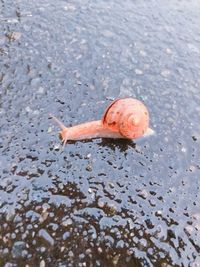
x=126, y=118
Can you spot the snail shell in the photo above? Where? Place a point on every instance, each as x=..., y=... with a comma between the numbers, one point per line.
x=128, y=116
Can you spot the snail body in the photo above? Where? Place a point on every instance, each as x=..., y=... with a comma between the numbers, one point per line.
x=126, y=118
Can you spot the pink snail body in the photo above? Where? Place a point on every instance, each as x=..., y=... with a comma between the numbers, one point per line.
x=124, y=118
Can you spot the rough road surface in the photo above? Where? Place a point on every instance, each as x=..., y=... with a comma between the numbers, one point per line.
x=100, y=202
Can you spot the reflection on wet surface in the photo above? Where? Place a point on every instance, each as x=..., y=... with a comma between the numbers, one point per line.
x=100, y=202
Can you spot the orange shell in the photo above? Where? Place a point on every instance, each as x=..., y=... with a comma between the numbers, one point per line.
x=128, y=116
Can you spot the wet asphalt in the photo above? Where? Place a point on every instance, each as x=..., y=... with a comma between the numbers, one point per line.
x=99, y=202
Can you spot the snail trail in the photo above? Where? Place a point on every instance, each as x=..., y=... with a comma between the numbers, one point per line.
x=122, y=144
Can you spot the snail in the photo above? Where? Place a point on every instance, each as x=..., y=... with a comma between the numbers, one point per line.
x=124, y=118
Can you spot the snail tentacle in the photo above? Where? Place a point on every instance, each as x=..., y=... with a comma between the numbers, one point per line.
x=64, y=142
x=60, y=124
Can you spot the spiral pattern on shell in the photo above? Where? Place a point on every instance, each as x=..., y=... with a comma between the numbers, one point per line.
x=128, y=116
